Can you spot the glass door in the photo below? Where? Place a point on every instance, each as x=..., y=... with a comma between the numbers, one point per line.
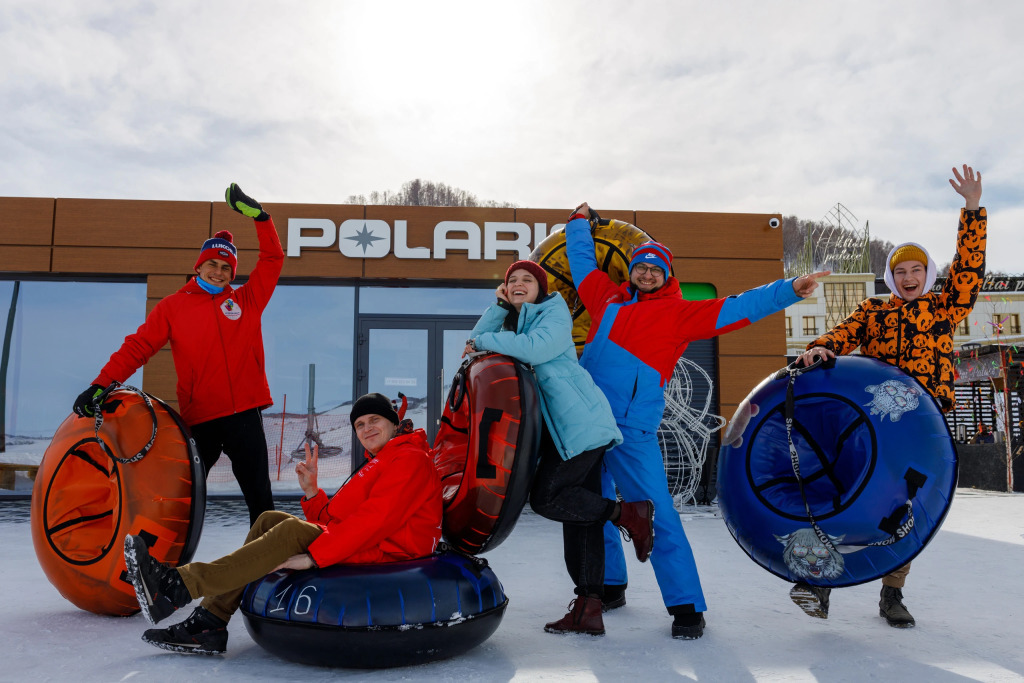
x=415, y=355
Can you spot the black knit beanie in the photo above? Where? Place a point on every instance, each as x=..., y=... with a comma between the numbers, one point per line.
x=373, y=404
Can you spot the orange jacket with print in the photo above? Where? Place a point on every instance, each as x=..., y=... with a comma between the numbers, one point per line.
x=917, y=336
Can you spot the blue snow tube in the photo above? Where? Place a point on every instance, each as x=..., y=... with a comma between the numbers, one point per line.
x=376, y=616
x=872, y=480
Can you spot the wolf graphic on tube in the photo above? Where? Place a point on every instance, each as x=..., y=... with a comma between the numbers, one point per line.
x=807, y=557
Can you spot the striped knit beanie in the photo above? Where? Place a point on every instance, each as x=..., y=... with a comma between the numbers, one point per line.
x=219, y=246
x=653, y=254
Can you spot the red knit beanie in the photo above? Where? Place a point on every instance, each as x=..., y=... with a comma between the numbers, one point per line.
x=219, y=246
x=533, y=269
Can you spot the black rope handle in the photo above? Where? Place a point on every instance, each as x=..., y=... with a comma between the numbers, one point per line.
x=97, y=403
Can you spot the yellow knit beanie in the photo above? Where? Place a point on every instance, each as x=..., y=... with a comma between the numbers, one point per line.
x=908, y=252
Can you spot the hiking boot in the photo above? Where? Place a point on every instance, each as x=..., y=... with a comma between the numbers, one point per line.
x=614, y=597
x=584, y=617
x=688, y=626
x=636, y=522
x=811, y=599
x=892, y=608
x=159, y=588
x=203, y=633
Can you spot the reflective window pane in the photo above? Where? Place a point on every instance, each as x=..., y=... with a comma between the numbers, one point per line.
x=63, y=333
x=303, y=326
x=398, y=363
x=425, y=300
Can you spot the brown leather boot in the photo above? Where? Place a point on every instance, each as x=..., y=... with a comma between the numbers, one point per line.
x=584, y=617
x=636, y=522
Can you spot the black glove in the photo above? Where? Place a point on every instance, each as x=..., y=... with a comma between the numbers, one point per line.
x=244, y=204
x=83, y=404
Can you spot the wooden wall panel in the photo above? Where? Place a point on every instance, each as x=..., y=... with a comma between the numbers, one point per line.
x=131, y=223
x=159, y=377
x=714, y=235
x=732, y=252
x=739, y=375
x=120, y=260
x=766, y=337
x=24, y=259
x=420, y=224
x=244, y=232
x=316, y=263
x=26, y=220
x=159, y=286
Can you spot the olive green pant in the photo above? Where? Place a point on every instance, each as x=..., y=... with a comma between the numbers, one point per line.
x=897, y=578
x=274, y=538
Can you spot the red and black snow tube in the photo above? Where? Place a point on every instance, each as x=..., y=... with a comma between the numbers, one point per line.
x=486, y=451
x=134, y=471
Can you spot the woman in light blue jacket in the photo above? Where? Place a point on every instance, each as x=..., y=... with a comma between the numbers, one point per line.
x=535, y=327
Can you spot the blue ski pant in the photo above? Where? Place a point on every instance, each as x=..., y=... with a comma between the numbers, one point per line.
x=637, y=469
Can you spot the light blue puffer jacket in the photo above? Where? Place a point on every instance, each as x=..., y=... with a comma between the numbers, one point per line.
x=576, y=412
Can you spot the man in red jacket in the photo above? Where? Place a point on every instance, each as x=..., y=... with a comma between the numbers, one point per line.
x=389, y=510
x=216, y=338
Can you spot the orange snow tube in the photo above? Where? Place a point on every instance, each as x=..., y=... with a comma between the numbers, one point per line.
x=133, y=470
x=486, y=451
x=614, y=242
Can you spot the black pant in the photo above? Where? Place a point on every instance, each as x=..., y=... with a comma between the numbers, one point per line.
x=568, y=491
x=241, y=438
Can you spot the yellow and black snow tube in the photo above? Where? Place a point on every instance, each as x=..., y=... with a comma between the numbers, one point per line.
x=614, y=242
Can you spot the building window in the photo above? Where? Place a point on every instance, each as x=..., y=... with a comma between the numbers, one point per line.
x=63, y=333
x=1006, y=324
x=841, y=298
x=789, y=326
x=810, y=326
x=964, y=328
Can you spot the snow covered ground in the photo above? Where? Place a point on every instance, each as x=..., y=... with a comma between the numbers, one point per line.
x=965, y=592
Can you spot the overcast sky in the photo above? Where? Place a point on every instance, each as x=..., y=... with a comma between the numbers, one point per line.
x=763, y=106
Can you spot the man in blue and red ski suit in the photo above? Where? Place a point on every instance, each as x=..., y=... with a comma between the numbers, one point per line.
x=638, y=332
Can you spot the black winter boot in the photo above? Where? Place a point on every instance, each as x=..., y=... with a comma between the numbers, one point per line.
x=203, y=633
x=636, y=522
x=584, y=617
x=688, y=626
x=158, y=588
x=811, y=599
x=614, y=597
x=892, y=608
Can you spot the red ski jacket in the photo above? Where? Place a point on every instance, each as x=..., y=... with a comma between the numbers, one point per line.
x=216, y=340
x=389, y=510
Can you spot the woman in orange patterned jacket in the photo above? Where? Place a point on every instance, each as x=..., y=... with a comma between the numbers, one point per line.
x=913, y=330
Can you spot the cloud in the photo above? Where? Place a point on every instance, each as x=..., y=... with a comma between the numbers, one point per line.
x=738, y=106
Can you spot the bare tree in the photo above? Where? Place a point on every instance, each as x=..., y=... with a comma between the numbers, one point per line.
x=426, y=193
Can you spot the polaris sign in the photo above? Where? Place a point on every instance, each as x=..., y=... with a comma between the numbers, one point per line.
x=361, y=238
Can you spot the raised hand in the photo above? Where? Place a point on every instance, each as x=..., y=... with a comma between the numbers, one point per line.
x=967, y=186
x=244, y=204
x=306, y=471
x=805, y=285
